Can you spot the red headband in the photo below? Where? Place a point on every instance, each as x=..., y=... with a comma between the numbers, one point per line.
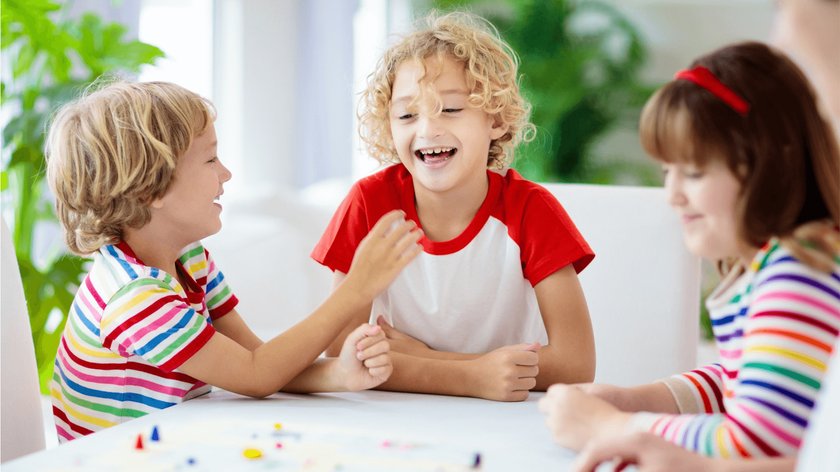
x=704, y=78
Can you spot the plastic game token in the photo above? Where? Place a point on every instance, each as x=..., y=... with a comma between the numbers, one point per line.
x=252, y=453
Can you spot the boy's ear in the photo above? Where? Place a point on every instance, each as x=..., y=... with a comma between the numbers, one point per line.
x=157, y=203
x=498, y=129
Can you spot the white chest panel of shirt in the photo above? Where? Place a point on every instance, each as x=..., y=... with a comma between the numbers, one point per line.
x=472, y=301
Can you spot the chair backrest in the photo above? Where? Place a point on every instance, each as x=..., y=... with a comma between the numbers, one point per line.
x=643, y=287
x=22, y=421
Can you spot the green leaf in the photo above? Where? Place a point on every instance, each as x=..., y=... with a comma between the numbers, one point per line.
x=52, y=62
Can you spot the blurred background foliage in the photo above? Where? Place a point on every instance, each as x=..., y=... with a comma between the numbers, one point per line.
x=53, y=58
x=580, y=63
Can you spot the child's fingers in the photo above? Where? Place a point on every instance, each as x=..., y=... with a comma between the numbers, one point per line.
x=525, y=384
x=383, y=226
x=526, y=358
x=545, y=404
x=369, y=341
x=382, y=371
x=409, y=244
x=377, y=349
x=400, y=231
x=528, y=371
x=408, y=255
x=378, y=361
x=362, y=331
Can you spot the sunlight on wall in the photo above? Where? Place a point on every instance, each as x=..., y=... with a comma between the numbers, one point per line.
x=183, y=29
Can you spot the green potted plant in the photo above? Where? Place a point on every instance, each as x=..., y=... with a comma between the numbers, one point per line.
x=52, y=60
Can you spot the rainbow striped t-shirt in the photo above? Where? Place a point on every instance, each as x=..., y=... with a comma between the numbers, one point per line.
x=129, y=329
x=775, y=326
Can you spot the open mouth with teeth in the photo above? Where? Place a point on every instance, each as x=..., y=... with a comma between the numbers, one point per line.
x=435, y=155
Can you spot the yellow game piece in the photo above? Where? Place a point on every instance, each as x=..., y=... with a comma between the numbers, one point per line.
x=252, y=453
x=278, y=426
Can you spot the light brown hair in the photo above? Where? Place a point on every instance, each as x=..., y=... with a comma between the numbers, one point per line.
x=491, y=69
x=782, y=151
x=113, y=151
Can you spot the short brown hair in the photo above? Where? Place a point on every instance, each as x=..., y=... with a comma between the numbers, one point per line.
x=113, y=151
x=783, y=151
x=491, y=68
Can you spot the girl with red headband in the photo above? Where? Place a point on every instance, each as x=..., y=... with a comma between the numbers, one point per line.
x=747, y=159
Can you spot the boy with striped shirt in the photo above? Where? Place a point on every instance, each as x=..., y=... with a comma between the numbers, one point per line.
x=154, y=323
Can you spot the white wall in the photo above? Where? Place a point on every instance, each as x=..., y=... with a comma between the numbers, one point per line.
x=679, y=30
x=676, y=32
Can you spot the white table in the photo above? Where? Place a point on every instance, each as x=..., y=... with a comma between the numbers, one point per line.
x=339, y=431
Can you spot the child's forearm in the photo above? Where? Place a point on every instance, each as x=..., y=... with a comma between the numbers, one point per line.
x=224, y=363
x=428, y=375
x=494, y=376
x=654, y=397
x=360, y=316
x=555, y=367
x=288, y=354
x=445, y=355
x=320, y=376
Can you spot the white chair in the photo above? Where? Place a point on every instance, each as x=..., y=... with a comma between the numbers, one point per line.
x=643, y=288
x=22, y=421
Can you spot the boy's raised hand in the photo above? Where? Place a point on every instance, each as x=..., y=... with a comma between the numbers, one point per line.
x=507, y=373
x=364, y=361
x=390, y=246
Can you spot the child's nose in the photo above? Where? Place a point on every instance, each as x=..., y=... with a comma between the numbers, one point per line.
x=673, y=190
x=225, y=174
x=429, y=126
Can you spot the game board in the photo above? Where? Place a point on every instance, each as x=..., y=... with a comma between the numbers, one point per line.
x=257, y=445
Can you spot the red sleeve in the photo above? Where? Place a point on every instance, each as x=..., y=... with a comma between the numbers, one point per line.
x=547, y=237
x=349, y=225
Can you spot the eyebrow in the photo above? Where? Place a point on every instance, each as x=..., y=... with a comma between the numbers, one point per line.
x=409, y=98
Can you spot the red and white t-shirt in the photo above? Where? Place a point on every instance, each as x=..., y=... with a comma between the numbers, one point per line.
x=473, y=293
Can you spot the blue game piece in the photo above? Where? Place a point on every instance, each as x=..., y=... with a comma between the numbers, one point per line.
x=155, y=435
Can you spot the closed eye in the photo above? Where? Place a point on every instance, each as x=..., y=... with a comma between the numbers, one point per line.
x=452, y=110
x=407, y=116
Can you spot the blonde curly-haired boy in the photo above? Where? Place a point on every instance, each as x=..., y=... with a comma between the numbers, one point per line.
x=492, y=308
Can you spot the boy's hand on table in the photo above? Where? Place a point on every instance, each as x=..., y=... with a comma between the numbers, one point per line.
x=390, y=246
x=507, y=373
x=399, y=341
x=575, y=417
x=364, y=361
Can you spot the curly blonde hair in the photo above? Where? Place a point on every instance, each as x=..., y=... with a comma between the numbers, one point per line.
x=113, y=151
x=491, y=68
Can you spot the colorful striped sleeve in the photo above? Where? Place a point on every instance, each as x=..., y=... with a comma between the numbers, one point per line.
x=147, y=318
x=698, y=391
x=220, y=298
x=791, y=325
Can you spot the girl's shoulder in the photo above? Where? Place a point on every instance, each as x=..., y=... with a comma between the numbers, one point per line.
x=774, y=262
